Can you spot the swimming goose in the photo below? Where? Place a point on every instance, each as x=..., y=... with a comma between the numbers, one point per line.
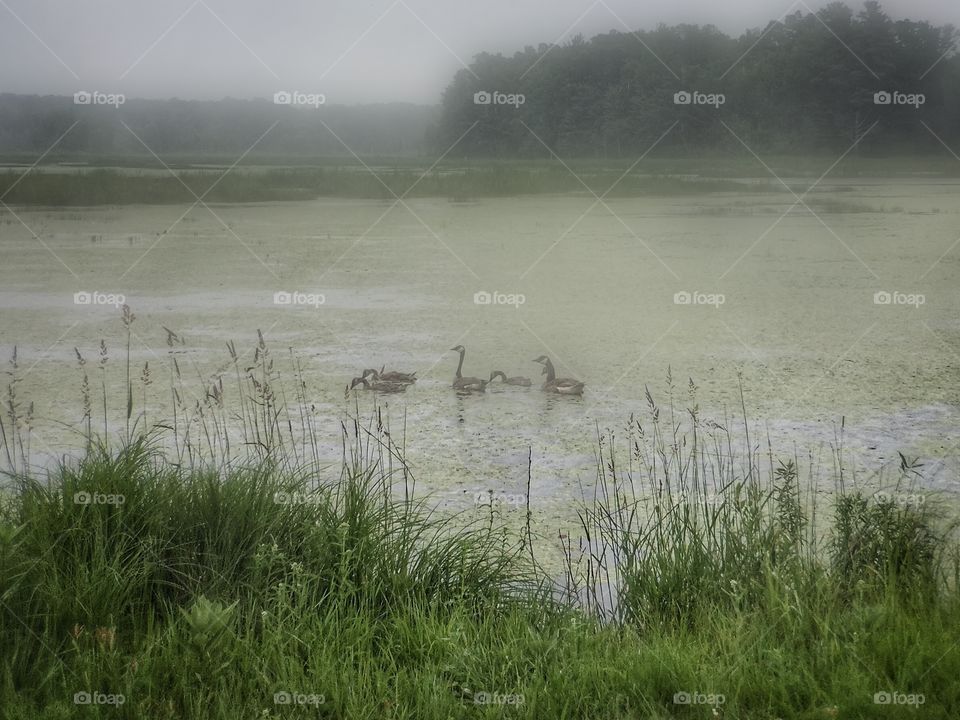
x=519, y=381
x=561, y=386
x=466, y=384
x=392, y=376
x=380, y=386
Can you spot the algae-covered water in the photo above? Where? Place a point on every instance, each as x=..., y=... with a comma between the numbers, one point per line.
x=792, y=300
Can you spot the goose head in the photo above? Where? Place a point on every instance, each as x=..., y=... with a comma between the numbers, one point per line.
x=359, y=381
x=458, y=348
x=543, y=360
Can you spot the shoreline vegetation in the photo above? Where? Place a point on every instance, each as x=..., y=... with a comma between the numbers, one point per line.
x=211, y=565
x=77, y=186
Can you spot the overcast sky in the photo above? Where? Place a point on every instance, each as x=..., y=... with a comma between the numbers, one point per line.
x=351, y=51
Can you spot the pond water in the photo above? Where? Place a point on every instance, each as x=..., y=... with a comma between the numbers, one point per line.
x=787, y=299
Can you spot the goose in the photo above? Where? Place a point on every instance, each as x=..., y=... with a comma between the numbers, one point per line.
x=466, y=384
x=553, y=384
x=392, y=376
x=518, y=381
x=380, y=386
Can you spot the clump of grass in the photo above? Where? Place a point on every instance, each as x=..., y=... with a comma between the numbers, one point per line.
x=124, y=540
x=677, y=531
x=882, y=545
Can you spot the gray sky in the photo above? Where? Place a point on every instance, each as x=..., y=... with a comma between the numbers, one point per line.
x=351, y=51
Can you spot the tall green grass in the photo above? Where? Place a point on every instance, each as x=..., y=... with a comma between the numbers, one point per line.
x=199, y=580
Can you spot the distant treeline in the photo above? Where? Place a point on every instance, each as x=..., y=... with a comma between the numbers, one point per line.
x=806, y=84
x=214, y=130
x=809, y=84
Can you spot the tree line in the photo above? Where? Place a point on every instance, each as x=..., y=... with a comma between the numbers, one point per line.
x=835, y=81
x=813, y=82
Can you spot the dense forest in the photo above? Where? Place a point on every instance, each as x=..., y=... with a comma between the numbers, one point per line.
x=806, y=84
x=810, y=83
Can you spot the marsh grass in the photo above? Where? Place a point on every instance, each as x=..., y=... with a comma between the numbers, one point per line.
x=677, y=529
x=238, y=570
x=132, y=180
x=114, y=187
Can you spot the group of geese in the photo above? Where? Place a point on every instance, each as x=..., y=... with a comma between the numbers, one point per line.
x=392, y=381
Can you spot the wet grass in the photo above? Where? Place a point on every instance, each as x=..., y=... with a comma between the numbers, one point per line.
x=200, y=579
